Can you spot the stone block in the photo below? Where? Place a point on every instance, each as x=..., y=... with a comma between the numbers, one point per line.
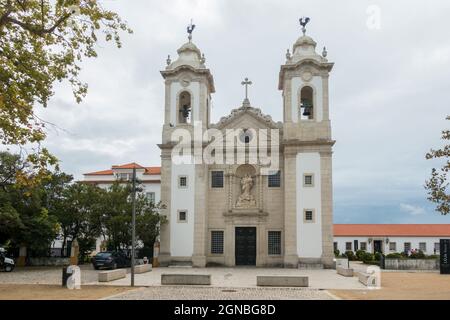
x=142, y=268
x=110, y=275
x=282, y=281
x=346, y=272
x=186, y=279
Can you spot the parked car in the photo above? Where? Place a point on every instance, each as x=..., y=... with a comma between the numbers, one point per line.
x=111, y=260
x=6, y=264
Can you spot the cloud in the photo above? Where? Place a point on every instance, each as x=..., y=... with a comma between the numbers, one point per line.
x=388, y=89
x=412, y=210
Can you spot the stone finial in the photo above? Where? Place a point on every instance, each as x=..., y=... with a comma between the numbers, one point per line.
x=203, y=59
x=288, y=55
x=168, y=61
x=324, y=52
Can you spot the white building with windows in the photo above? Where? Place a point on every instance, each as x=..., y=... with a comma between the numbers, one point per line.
x=149, y=178
x=390, y=238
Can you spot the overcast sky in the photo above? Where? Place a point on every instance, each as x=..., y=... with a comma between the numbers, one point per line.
x=389, y=90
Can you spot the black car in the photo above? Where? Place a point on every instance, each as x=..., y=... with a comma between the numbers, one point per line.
x=111, y=260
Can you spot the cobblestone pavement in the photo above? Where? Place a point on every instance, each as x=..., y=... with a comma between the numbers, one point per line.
x=44, y=275
x=245, y=277
x=216, y=293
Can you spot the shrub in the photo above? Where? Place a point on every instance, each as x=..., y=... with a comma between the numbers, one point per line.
x=360, y=255
x=378, y=256
x=395, y=255
x=367, y=257
x=350, y=255
x=336, y=253
x=417, y=255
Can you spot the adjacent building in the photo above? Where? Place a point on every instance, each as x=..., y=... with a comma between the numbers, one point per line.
x=390, y=238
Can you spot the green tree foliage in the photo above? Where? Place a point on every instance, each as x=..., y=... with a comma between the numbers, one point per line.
x=34, y=215
x=42, y=42
x=24, y=220
x=116, y=217
x=438, y=184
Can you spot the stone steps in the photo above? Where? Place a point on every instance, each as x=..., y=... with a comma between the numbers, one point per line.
x=306, y=266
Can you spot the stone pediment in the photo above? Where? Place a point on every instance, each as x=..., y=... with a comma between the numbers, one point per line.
x=247, y=117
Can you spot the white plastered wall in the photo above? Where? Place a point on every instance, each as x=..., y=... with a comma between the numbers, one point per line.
x=309, y=234
x=182, y=233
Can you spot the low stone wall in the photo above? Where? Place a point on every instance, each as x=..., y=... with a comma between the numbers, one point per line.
x=51, y=261
x=185, y=279
x=110, y=275
x=346, y=272
x=282, y=281
x=412, y=264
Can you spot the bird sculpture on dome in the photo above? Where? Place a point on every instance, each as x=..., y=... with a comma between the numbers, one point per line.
x=303, y=22
x=190, y=29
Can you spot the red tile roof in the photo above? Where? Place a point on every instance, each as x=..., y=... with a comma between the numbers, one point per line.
x=421, y=230
x=148, y=170
x=131, y=165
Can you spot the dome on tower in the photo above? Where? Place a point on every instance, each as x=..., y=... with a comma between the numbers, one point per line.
x=305, y=48
x=188, y=54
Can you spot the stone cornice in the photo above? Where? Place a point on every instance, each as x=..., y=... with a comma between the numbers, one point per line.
x=177, y=70
x=328, y=66
x=319, y=142
x=254, y=112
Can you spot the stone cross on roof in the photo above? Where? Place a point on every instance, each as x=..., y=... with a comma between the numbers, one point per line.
x=246, y=83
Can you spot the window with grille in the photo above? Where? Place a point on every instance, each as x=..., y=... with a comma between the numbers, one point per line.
x=363, y=246
x=274, y=179
x=216, y=179
x=182, y=216
x=217, y=242
x=348, y=246
x=437, y=247
x=151, y=196
x=308, y=180
x=182, y=181
x=274, y=242
x=392, y=246
x=309, y=216
x=423, y=246
x=407, y=246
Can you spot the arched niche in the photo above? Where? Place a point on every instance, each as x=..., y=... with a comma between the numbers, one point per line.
x=306, y=103
x=184, y=108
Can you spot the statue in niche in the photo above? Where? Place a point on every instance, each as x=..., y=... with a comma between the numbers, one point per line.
x=246, y=199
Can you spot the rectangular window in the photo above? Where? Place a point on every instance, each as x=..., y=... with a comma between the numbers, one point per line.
x=407, y=246
x=423, y=246
x=348, y=246
x=308, y=215
x=308, y=180
x=363, y=246
x=182, y=215
x=335, y=246
x=217, y=242
x=274, y=180
x=123, y=176
x=274, y=242
x=216, y=179
x=182, y=181
x=151, y=196
x=437, y=247
x=392, y=246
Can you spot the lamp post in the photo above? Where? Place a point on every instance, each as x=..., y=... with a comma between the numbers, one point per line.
x=133, y=224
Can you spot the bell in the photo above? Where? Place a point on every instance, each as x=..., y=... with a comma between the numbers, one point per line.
x=307, y=111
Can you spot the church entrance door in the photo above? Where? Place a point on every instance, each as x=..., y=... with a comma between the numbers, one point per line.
x=245, y=246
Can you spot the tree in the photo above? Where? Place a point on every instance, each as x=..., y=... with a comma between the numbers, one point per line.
x=42, y=42
x=438, y=184
x=24, y=220
x=116, y=217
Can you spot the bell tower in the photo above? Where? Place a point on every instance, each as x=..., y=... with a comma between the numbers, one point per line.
x=184, y=184
x=188, y=88
x=303, y=80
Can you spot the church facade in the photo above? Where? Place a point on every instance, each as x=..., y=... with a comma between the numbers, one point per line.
x=247, y=190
